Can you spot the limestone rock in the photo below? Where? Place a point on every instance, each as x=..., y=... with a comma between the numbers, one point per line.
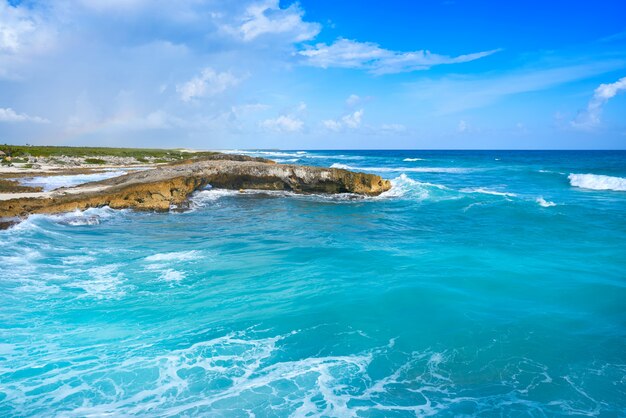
x=160, y=188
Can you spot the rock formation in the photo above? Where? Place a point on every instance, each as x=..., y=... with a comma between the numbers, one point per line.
x=165, y=186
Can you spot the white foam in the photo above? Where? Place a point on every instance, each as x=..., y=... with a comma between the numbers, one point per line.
x=487, y=191
x=77, y=259
x=54, y=182
x=405, y=186
x=413, y=159
x=174, y=256
x=205, y=197
x=597, y=182
x=341, y=166
x=104, y=282
x=171, y=275
x=544, y=203
x=92, y=216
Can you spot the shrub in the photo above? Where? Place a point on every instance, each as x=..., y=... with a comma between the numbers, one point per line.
x=94, y=161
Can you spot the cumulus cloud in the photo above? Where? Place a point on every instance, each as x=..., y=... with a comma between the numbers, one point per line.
x=283, y=123
x=590, y=117
x=267, y=18
x=23, y=34
x=350, y=121
x=290, y=121
x=346, y=53
x=462, y=126
x=17, y=27
x=208, y=83
x=9, y=115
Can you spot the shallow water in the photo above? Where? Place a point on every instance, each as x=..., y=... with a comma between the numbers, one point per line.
x=488, y=283
x=49, y=183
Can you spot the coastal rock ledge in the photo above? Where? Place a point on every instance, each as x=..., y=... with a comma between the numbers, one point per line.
x=163, y=187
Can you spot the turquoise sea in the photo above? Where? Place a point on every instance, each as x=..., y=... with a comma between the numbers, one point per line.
x=483, y=284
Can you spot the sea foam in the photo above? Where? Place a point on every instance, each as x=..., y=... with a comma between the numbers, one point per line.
x=544, y=203
x=404, y=186
x=597, y=182
x=487, y=191
x=173, y=256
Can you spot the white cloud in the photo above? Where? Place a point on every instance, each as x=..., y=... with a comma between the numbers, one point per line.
x=350, y=121
x=353, y=120
x=288, y=122
x=283, y=123
x=462, y=127
x=23, y=34
x=208, y=83
x=15, y=27
x=9, y=115
x=346, y=53
x=353, y=100
x=332, y=125
x=590, y=117
x=267, y=18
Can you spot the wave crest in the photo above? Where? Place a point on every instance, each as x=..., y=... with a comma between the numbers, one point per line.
x=597, y=182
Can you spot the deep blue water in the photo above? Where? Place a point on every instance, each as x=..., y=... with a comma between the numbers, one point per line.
x=484, y=283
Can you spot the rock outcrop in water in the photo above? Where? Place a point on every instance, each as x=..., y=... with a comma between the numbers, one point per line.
x=163, y=187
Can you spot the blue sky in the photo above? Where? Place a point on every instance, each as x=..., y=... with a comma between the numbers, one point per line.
x=314, y=74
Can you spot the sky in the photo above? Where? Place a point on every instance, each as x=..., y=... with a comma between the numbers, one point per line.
x=314, y=74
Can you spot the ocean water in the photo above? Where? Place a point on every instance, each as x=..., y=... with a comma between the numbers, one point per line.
x=48, y=183
x=484, y=283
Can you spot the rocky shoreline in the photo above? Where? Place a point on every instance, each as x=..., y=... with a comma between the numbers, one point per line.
x=164, y=187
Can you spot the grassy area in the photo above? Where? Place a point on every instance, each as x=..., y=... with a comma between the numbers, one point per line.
x=20, y=151
x=94, y=161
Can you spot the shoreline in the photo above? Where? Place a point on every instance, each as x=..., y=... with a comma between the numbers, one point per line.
x=160, y=187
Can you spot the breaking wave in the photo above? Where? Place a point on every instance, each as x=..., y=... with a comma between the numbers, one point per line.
x=544, y=203
x=404, y=186
x=597, y=182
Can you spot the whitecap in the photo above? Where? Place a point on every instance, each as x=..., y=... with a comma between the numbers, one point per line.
x=204, y=197
x=174, y=256
x=342, y=166
x=413, y=159
x=406, y=186
x=597, y=182
x=171, y=275
x=544, y=203
x=487, y=191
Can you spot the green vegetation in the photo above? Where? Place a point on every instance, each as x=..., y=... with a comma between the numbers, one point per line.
x=94, y=161
x=87, y=152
